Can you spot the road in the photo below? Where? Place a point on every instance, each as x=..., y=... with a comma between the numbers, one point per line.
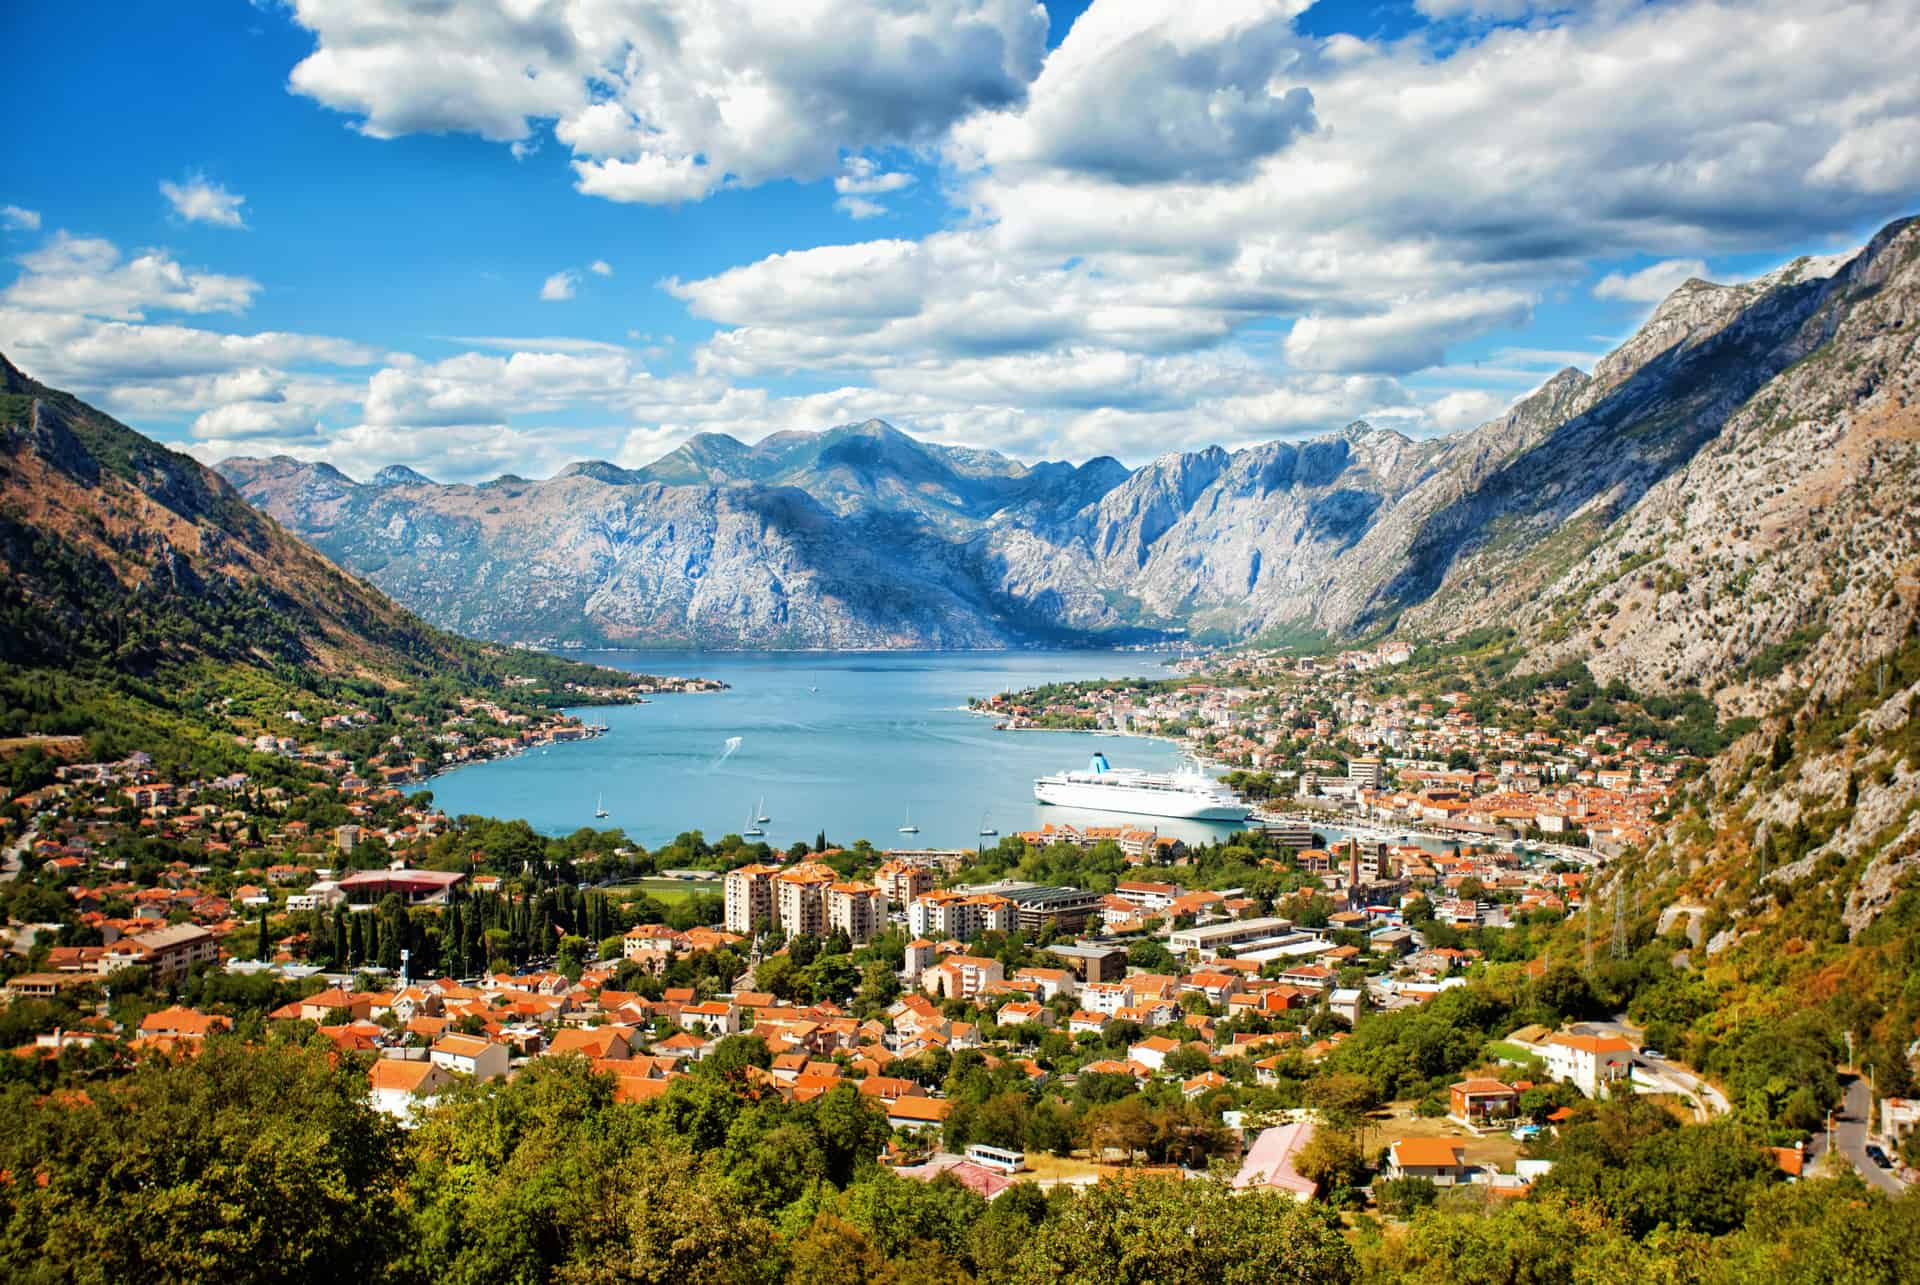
x=17, y=850
x=1659, y=1075
x=1850, y=1137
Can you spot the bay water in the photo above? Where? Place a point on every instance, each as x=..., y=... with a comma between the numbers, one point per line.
x=856, y=744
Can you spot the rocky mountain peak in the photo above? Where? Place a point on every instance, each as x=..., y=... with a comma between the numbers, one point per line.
x=600, y=471
x=400, y=475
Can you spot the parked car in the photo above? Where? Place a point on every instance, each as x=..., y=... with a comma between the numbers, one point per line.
x=1651, y=1052
x=1879, y=1157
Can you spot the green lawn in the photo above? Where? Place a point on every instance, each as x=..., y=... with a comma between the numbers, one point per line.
x=667, y=889
x=1511, y=1052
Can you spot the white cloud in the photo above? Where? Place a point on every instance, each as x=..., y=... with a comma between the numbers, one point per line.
x=864, y=177
x=1465, y=408
x=542, y=343
x=1650, y=284
x=1152, y=91
x=16, y=219
x=89, y=275
x=668, y=100
x=90, y=355
x=600, y=268
x=859, y=207
x=199, y=201
x=1443, y=190
x=1408, y=336
x=559, y=286
x=860, y=181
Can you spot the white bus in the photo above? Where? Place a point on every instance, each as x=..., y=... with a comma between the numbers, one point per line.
x=997, y=1158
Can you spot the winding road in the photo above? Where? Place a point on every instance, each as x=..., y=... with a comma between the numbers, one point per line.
x=16, y=852
x=1658, y=1075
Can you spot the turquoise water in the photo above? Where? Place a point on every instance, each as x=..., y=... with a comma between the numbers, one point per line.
x=882, y=737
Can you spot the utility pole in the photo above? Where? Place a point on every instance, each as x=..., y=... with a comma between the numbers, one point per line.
x=1619, y=926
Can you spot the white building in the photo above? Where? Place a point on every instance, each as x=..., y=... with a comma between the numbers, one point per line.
x=1588, y=1062
x=470, y=1055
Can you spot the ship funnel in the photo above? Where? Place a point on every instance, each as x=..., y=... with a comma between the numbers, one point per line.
x=1099, y=763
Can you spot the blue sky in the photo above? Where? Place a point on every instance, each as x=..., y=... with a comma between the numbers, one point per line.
x=353, y=232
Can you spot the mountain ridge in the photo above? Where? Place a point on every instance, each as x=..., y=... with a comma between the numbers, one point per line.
x=1353, y=532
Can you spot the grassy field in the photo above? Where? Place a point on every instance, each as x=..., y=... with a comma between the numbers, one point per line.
x=668, y=890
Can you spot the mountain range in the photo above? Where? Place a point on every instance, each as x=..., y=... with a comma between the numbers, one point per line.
x=1773, y=396
x=135, y=576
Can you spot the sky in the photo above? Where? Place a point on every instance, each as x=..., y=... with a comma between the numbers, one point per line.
x=478, y=238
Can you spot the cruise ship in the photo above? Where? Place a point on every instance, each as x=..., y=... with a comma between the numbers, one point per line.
x=1187, y=794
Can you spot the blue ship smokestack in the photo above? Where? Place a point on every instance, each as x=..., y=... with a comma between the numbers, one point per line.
x=1099, y=763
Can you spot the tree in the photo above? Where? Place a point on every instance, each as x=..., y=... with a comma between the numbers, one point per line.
x=1343, y=1095
x=1166, y=1230
x=1404, y=1196
x=732, y=1057
x=1152, y=956
x=244, y=1163
x=852, y=1132
x=1332, y=1159
x=662, y=1219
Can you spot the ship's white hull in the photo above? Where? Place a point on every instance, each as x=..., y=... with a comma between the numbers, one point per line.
x=1138, y=802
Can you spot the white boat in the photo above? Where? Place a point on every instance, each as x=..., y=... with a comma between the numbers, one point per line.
x=760, y=816
x=909, y=827
x=600, y=806
x=1189, y=794
x=986, y=829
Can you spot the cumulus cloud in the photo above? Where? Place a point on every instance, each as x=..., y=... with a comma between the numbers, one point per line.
x=1440, y=192
x=1152, y=91
x=600, y=268
x=89, y=275
x=1406, y=337
x=16, y=219
x=1135, y=215
x=559, y=286
x=198, y=201
x=667, y=100
x=1464, y=408
x=1650, y=284
x=864, y=177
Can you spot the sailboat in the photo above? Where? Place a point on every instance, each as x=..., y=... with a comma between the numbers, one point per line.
x=986, y=829
x=753, y=830
x=760, y=816
x=909, y=827
x=600, y=806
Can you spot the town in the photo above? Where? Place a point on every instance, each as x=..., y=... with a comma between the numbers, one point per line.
x=1352, y=1000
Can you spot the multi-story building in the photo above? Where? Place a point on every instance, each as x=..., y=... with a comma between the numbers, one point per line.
x=799, y=899
x=1037, y=906
x=170, y=953
x=1367, y=772
x=1589, y=1062
x=960, y=915
x=962, y=976
x=902, y=881
x=856, y=909
x=1106, y=997
x=749, y=898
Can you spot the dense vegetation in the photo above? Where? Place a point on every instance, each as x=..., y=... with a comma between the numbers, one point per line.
x=264, y=1163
